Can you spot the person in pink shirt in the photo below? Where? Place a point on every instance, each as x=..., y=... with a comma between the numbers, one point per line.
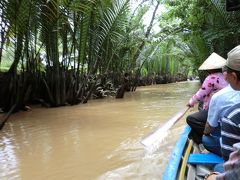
x=214, y=82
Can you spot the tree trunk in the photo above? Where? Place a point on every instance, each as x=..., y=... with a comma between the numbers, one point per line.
x=141, y=46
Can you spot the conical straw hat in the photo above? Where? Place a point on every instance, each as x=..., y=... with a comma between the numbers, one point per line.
x=214, y=61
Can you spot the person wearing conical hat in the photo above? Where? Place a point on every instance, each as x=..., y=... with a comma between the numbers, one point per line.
x=214, y=82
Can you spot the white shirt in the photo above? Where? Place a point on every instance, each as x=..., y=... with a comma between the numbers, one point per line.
x=220, y=102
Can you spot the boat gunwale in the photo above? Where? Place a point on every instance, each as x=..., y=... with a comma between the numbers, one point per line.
x=172, y=168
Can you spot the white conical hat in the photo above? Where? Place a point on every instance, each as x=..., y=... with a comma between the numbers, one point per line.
x=214, y=61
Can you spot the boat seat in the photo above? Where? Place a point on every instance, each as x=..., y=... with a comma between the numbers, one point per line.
x=206, y=159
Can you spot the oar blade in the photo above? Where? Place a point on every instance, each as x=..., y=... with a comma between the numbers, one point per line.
x=160, y=133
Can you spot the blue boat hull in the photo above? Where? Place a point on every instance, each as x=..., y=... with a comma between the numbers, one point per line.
x=189, y=161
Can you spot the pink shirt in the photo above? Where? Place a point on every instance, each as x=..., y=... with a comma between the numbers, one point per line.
x=212, y=84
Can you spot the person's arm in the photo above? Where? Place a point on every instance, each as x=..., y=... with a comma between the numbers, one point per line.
x=207, y=129
x=205, y=90
x=213, y=113
x=229, y=175
x=211, y=176
x=231, y=167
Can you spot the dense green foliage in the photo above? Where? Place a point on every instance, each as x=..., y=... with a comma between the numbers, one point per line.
x=210, y=28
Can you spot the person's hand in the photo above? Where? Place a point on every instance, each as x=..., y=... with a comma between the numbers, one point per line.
x=211, y=176
x=189, y=105
x=207, y=129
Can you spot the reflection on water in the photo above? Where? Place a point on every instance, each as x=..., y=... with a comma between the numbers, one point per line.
x=97, y=140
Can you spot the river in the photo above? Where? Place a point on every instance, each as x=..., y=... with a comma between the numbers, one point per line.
x=98, y=140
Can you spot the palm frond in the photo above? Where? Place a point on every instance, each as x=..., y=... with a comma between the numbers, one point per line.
x=108, y=20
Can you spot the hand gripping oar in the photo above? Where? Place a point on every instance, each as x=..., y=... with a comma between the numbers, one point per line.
x=160, y=131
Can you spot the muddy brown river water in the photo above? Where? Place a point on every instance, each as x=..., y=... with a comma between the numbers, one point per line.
x=98, y=140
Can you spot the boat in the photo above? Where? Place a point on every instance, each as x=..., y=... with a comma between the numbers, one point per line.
x=189, y=161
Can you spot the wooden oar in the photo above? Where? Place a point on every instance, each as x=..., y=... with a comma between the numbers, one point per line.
x=160, y=131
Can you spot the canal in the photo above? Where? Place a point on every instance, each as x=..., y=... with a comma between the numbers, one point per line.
x=98, y=140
